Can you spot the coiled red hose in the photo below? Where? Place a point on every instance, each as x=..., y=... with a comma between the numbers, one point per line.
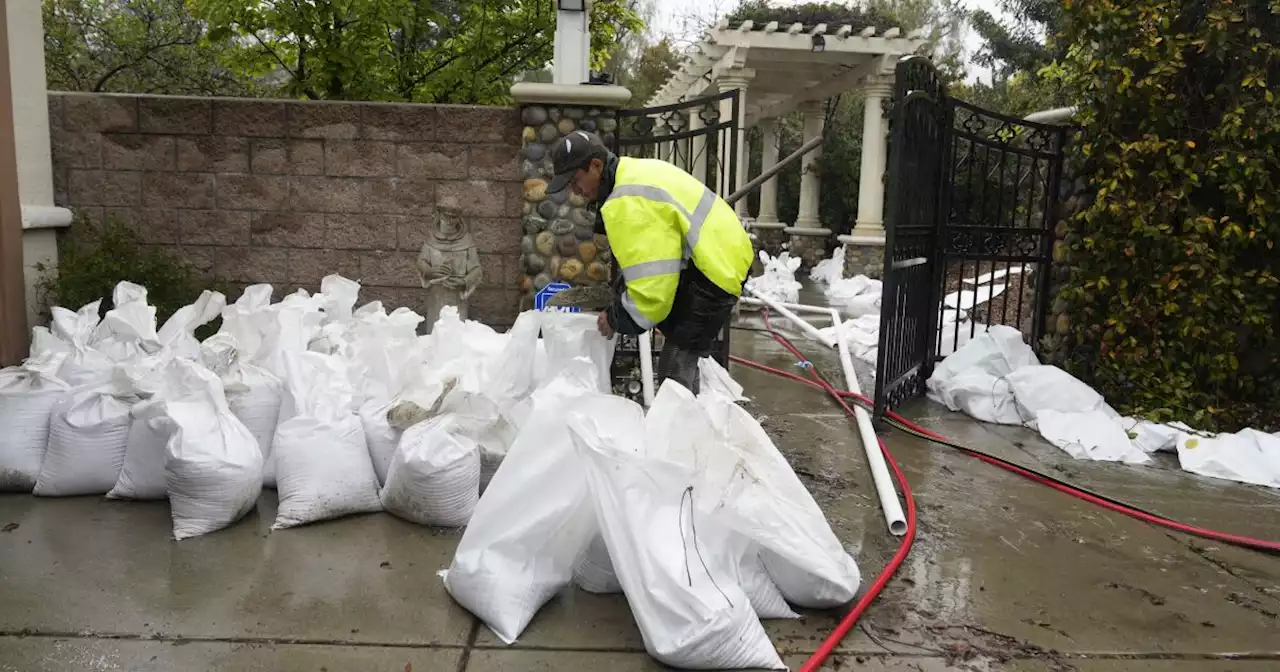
x=873, y=591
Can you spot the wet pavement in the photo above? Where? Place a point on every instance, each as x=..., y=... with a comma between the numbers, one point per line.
x=1005, y=574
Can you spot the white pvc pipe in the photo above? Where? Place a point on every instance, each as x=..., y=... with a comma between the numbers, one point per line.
x=809, y=330
x=889, y=502
x=646, y=367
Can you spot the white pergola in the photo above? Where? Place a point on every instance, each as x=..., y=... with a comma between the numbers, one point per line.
x=778, y=70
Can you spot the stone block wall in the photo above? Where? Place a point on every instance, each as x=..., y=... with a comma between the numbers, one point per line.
x=559, y=242
x=287, y=192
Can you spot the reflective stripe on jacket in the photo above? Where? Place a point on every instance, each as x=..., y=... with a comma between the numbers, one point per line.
x=657, y=218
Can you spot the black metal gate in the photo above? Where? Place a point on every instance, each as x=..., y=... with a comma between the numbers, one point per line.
x=969, y=228
x=696, y=136
x=693, y=134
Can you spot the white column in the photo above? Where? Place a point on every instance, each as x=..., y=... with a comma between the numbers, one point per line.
x=40, y=217
x=771, y=139
x=810, y=184
x=736, y=78
x=875, y=128
x=571, y=62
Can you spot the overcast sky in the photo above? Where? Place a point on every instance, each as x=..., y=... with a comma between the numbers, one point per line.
x=677, y=17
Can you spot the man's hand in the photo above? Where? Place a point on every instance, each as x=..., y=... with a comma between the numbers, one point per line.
x=602, y=323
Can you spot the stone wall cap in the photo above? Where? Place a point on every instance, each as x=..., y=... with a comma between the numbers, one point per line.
x=45, y=217
x=570, y=94
x=873, y=241
x=808, y=231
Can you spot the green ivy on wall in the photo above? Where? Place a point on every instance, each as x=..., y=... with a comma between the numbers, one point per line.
x=1174, y=292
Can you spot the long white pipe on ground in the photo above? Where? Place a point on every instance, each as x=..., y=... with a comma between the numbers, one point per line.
x=889, y=502
x=809, y=330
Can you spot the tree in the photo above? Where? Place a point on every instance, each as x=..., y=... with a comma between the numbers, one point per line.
x=434, y=51
x=134, y=46
x=1023, y=45
x=657, y=62
x=1016, y=52
x=1173, y=299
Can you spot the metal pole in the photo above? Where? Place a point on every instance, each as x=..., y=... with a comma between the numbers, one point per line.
x=751, y=186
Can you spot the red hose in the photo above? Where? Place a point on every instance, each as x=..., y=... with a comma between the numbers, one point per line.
x=846, y=624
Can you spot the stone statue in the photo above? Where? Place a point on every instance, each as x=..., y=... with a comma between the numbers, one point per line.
x=448, y=265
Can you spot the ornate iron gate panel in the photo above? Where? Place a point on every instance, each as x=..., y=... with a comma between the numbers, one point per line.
x=969, y=228
x=698, y=135
x=997, y=227
x=918, y=129
x=701, y=137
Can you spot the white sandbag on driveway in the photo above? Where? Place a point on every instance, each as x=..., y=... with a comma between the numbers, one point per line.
x=88, y=432
x=28, y=394
x=323, y=469
x=534, y=523
x=1248, y=456
x=213, y=466
x=434, y=477
x=679, y=568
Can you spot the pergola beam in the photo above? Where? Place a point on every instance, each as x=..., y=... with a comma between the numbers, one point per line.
x=835, y=86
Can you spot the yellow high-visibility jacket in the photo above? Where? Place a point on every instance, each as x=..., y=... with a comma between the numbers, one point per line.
x=658, y=219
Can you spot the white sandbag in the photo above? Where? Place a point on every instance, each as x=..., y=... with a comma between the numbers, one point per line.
x=594, y=572
x=28, y=394
x=536, y=507
x=759, y=495
x=253, y=394
x=88, y=432
x=678, y=567
x=179, y=331
x=778, y=281
x=1038, y=388
x=288, y=328
x=245, y=319
x=1248, y=456
x=323, y=468
x=380, y=436
x=1090, y=435
x=434, y=478
x=973, y=378
x=128, y=330
x=338, y=296
x=213, y=466
x=511, y=375
x=83, y=364
x=142, y=475
x=830, y=270
x=766, y=598
x=1152, y=437
x=571, y=335
x=716, y=381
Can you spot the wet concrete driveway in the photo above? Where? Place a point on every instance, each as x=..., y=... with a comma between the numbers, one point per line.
x=1005, y=574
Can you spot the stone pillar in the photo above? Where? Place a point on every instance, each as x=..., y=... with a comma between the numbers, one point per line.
x=559, y=242
x=13, y=327
x=40, y=218
x=871, y=184
x=735, y=78
x=808, y=236
x=769, y=231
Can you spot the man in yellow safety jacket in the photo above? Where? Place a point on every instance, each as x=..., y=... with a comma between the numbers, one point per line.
x=683, y=252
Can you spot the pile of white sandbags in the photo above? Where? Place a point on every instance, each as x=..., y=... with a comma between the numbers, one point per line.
x=689, y=510
x=346, y=410
x=778, y=282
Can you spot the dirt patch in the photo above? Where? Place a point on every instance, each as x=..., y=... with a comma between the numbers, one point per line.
x=1014, y=308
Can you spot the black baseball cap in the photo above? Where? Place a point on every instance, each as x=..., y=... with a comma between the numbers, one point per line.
x=572, y=153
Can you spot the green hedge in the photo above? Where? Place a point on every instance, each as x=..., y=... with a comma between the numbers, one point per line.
x=92, y=261
x=1174, y=291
